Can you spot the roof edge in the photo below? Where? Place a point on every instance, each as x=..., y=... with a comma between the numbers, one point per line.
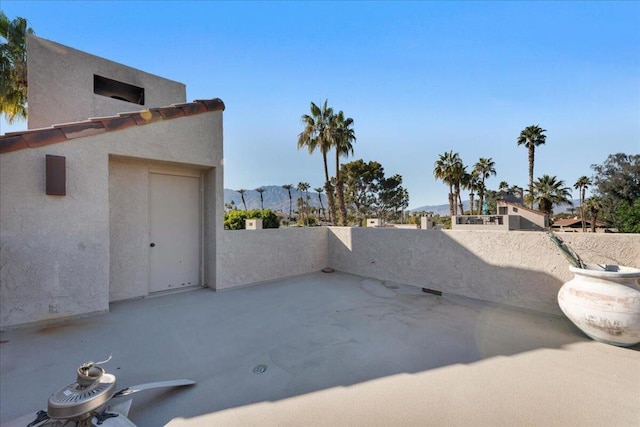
x=57, y=133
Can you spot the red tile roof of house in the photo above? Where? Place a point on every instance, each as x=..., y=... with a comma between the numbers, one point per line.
x=568, y=222
x=34, y=138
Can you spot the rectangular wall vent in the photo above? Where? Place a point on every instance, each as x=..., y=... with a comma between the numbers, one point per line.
x=118, y=90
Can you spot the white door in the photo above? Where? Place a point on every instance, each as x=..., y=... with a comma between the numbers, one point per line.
x=174, y=244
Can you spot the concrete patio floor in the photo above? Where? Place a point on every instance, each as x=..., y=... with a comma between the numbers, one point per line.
x=339, y=350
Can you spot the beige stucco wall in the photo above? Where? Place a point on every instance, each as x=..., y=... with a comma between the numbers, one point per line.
x=522, y=269
x=55, y=250
x=254, y=256
x=61, y=85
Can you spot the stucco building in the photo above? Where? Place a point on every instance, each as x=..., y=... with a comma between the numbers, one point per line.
x=113, y=192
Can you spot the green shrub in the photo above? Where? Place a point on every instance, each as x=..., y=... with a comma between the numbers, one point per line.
x=235, y=220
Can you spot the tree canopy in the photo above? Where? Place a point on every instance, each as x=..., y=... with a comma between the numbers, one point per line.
x=13, y=67
x=616, y=183
x=531, y=137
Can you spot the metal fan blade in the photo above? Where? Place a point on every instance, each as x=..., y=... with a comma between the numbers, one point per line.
x=32, y=419
x=141, y=387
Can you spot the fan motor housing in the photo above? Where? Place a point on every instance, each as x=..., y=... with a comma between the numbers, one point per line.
x=77, y=401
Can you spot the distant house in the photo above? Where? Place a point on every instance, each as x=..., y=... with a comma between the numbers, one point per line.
x=509, y=216
x=114, y=192
x=575, y=225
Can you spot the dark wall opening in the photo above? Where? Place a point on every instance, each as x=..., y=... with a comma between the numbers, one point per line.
x=118, y=90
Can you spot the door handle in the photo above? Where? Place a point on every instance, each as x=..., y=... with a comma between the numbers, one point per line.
x=153, y=245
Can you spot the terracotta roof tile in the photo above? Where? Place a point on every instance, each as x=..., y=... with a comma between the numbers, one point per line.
x=32, y=138
x=44, y=137
x=143, y=117
x=169, y=112
x=115, y=122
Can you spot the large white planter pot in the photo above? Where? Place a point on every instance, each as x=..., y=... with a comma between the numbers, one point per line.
x=604, y=304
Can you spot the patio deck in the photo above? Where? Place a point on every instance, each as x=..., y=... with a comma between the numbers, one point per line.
x=340, y=350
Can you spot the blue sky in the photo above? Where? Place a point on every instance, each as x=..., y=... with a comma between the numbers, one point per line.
x=418, y=78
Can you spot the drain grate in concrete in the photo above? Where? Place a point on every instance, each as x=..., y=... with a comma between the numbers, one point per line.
x=260, y=369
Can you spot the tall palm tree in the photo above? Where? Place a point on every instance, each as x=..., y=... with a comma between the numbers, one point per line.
x=344, y=137
x=304, y=186
x=475, y=186
x=242, y=191
x=260, y=190
x=594, y=205
x=318, y=134
x=581, y=185
x=459, y=174
x=504, y=185
x=319, y=190
x=484, y=168
x=288, y=188
x=549, y=191
x=443, y=170
x=531, y=137
x=13, y=67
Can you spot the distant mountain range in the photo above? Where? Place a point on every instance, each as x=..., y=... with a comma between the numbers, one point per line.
x=443, y=210
x=276, y=198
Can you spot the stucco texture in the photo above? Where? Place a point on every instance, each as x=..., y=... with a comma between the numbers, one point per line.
x=254, y=256
x=522, y=269
x=61, y=85
x=55, y=250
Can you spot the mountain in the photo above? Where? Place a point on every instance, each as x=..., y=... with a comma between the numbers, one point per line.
x=443, y=210
x=275, y=198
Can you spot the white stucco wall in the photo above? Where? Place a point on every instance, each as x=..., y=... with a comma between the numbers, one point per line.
x=55, y=250
x=61, y=85
x=522, y=269
x=254, y=256
x=129, y=222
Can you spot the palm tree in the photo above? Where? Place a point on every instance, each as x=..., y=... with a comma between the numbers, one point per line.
x=549, y=191
x=244, y=203
x=260, y=191
x=344, y=136
x=473, y=183
x=594, y=204
x=304, y=186
x=319, y=190
x=484, y=168
x=459, y=174
x=318, y=134
x=443, y=170
x=581, y=185
x=504, y=185
x=288, y=188
x=13, y=67
x=531, y=137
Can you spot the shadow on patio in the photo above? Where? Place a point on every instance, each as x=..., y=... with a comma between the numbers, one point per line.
x=337, y=348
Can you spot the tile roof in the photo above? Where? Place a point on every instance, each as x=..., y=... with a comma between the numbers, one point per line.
x=33, y=138
x=569, y=222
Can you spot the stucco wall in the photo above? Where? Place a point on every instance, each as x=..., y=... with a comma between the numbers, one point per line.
x=61, y=85
x=55, y=250
x=129, y=222
x=522, y=269
x=253, y=256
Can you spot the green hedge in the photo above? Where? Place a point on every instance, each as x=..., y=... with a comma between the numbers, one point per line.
x=235, y=220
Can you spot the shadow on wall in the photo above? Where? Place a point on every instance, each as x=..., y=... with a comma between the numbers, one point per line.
x=521, y=269
x=319, y=331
